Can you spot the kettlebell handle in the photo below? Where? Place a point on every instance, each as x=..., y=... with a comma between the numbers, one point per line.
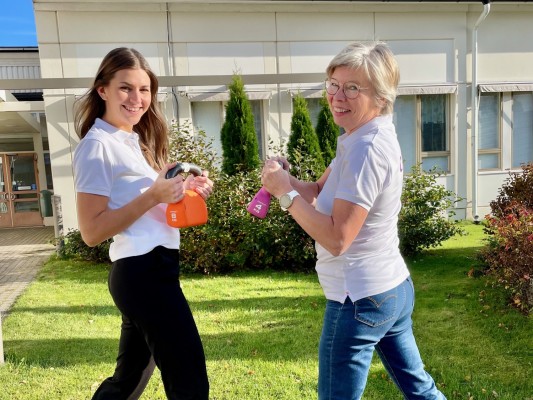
x=191, y=210
x=183, y=167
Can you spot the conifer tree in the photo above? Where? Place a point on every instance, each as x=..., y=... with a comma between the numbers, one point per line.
x=240, y=150
x=303, y=139
x=327, y=131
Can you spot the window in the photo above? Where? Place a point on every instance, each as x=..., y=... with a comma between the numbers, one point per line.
x=435, y=152
x=522, y=137
x=405, y=122
x=257, y=111
x=209, y=116
x=48, y=171
x=505, y=127
x=422, y=127
x=313, y=105
x=489, y=117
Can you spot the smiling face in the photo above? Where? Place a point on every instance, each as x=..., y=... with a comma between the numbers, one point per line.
x=127, y=97
x=351, y=114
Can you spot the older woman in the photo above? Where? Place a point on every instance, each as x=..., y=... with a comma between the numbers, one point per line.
x=352, y=212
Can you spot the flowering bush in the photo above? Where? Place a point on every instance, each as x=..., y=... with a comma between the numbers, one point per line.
x=509, y=250
x=518, y=188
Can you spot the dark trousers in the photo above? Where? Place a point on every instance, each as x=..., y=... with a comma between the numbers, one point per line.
x=158, y=329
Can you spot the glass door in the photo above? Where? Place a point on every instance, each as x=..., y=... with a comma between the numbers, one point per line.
x=5, y=212
x=20, y=191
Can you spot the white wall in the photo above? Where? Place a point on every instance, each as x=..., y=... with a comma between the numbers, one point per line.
x=431, y=40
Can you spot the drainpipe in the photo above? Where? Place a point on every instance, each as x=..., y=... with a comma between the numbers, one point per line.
x=170, y=54
x=475, y=110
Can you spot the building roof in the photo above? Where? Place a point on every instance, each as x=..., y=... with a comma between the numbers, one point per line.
x=32, y=49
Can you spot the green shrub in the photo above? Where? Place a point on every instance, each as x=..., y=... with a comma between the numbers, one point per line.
x=234, y=240
x=327, y=131
x=425, y=219
x=239, y=141
x=73, y=246
x=189, y=145
x=303, y=138
x=509, y=250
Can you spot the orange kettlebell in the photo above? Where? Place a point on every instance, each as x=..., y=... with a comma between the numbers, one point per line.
x=191, y=210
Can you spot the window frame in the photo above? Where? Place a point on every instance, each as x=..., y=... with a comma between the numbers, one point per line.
x=495, y=150
x=419, y=154
x=512, y=161
x=506, y=122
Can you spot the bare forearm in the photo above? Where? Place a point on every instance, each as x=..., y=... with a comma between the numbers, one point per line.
x=317, y=225
x=308, y=190
x=98, y=227
x=336, y=232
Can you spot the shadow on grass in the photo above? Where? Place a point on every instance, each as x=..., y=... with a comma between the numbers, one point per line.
x=74, y=270
x=445, y=263
x=275, y=341
x=267, y=345
x=452, y=253
x=81, y=271
x=272, y=328
x=278, y=304
x=62, y=310
x=47, y=353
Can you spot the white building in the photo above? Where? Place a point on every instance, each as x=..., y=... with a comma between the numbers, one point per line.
x=454, y=56
x=25, y=173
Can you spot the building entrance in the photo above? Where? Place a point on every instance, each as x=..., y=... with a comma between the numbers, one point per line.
x=19, y=190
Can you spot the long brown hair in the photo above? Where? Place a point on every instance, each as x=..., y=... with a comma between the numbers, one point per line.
x=152, y=128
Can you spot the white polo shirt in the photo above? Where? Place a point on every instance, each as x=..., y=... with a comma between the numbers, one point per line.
x=367, y=170
x=109, y=162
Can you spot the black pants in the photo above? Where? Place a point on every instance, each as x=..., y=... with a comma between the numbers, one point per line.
x=158, y=329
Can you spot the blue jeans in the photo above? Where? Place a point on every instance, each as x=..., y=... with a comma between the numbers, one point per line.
x=352, y=331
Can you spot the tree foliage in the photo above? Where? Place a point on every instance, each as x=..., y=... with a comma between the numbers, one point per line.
x=240, y=151
x=234, y=240
x=518, y=188
x=303, y=137
x=327, y=131
x=425, y=219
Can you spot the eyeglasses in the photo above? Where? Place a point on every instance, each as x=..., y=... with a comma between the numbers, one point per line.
x=350, y=89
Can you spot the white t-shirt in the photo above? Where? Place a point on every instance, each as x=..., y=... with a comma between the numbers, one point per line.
x=367, y=170
x=109, y=162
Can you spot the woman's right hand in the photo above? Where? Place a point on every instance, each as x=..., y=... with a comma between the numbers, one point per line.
x=98, y=222
x=168, y=190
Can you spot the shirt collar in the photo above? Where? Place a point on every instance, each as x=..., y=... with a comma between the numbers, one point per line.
x=347, y=139
x=118, y=134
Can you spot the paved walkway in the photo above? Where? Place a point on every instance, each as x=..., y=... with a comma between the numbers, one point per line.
x=22, y=253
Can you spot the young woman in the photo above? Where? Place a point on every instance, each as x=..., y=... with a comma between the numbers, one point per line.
x=120, y=166
x=352, y=213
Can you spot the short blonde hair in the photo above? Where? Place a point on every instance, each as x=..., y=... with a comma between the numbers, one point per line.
x=379, y=65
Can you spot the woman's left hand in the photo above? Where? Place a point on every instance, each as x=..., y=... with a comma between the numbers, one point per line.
x=200, y=184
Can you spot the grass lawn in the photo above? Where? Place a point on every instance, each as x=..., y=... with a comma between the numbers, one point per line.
x=261, y=330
